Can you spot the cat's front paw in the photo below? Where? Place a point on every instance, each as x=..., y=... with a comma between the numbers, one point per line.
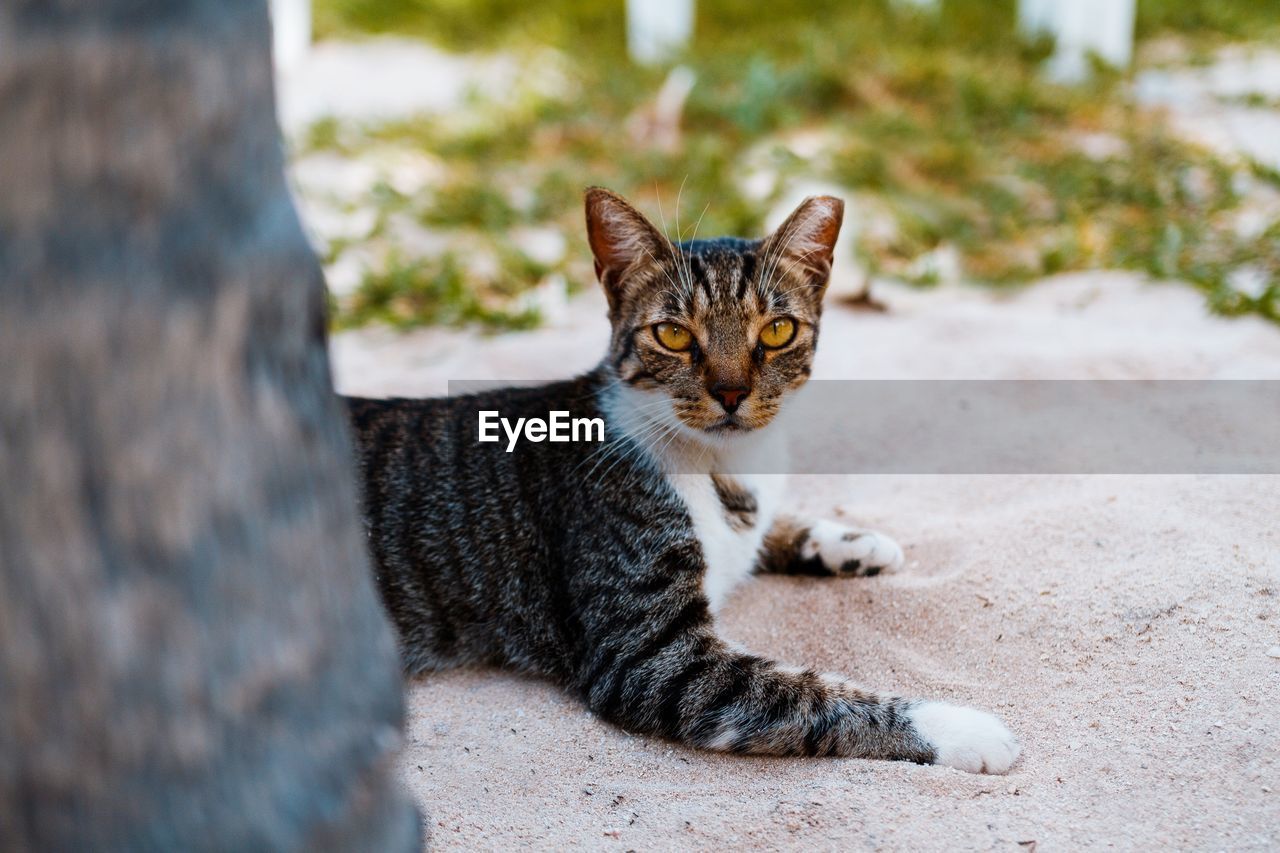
x=965, y=738
x=844, y=550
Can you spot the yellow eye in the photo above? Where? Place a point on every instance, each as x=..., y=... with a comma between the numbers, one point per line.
x=778, y=333
x=673, y=337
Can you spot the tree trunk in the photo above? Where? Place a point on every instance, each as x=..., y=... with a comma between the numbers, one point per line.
x=192, y=654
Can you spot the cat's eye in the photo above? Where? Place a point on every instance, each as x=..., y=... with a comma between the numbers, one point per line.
x=673, y=337
x=778, y=333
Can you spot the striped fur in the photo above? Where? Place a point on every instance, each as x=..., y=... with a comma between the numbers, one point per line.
x=601, y=565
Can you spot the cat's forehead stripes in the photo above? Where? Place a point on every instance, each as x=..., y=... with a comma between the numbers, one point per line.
x=714, y=273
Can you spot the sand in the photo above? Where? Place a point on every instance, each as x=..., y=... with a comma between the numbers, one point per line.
x=1120, y=625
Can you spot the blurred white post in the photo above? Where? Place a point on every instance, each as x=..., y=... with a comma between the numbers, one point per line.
x=291, y=31
x=920, y=4
x=1081, y=27
x=656, y=29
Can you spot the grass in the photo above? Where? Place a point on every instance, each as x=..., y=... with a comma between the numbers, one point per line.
x=428, y=292
x=939, y=129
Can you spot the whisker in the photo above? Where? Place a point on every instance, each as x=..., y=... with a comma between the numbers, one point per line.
x=671, y=245
x=688, y=268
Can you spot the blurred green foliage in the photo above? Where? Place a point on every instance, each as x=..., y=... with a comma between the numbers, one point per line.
x=1222, y=20
x=426, y=292
x=488, y=24
x=940, y=127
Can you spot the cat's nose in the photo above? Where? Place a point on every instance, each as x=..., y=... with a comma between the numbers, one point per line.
x=730, y=396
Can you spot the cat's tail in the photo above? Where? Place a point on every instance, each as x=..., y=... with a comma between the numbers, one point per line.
x=691, y=686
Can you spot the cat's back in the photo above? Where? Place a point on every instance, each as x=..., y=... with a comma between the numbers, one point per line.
x=476, y=544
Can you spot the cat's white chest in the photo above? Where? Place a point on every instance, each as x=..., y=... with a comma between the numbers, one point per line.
x=730, y=547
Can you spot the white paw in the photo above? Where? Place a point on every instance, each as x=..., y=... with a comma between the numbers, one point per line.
x=851, y=550
x=965, y=738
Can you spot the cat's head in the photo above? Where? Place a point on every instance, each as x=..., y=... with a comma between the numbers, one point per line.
x=722, y=328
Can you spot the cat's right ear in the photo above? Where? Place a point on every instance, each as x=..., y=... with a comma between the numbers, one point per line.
x=621, y=239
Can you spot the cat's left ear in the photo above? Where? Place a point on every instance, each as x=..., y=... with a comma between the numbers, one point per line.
x=805, y=243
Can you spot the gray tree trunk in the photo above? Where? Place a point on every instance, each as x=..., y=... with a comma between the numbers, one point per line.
x=192, y=654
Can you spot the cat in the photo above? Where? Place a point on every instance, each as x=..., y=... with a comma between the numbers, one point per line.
x=602, y=565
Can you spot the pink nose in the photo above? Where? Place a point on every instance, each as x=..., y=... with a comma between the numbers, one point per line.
x=730, y=396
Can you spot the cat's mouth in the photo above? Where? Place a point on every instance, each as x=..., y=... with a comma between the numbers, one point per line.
x=729, y=423
x=725, y=424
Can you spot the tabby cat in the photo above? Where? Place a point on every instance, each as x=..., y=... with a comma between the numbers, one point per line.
x=602, y=565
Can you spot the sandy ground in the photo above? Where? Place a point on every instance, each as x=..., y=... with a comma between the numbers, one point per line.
x=1120, y=625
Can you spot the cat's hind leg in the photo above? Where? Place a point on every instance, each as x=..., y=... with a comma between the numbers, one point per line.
x=800, y=546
